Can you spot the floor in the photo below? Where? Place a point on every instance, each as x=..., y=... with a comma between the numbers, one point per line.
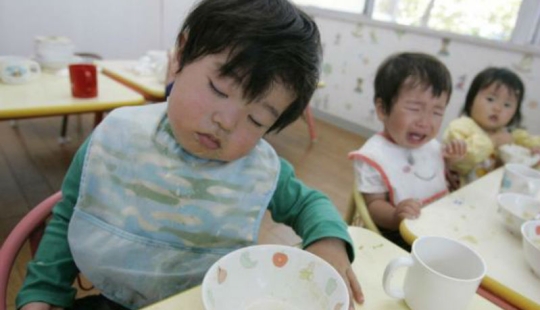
x=33, y=164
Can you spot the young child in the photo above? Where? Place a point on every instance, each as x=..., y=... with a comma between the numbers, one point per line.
x=403, y=168
x=491, y=116
x=159, y=193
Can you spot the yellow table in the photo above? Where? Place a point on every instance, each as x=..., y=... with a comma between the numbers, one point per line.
x=470, y=215
x=373, y=253
x=147, y=85
x=50, y=95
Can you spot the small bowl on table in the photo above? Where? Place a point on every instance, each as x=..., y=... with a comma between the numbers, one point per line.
x=530, y=231
x=273, y=277
x=516, y=209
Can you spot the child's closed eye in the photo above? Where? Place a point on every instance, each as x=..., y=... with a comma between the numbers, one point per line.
x=216, y=91
x=255, y=122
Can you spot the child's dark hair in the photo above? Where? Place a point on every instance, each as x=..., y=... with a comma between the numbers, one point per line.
x=501, y=76
x=269, y=41
x=414, y=69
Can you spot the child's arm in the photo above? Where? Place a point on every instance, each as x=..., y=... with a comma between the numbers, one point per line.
x=316, y=220
x=51, y=273
x=385, y=215
x=523, y=138
x=333, y=251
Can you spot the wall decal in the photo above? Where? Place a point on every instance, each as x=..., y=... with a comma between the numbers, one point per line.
x=533, y=104
x=445, y=42
x=359, y=82
x=374, y=38
x=461, y=82
x=358, y=31
x=400, y=33
x=525, y=64
x=327, y=69
x=337, y=39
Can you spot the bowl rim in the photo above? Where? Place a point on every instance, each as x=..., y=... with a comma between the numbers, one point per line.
x=277, y=248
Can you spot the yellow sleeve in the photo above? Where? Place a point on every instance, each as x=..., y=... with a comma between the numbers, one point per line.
x=479, y=145
x=523, y=138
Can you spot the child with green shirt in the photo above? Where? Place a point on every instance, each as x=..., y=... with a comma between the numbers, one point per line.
x=159, y=193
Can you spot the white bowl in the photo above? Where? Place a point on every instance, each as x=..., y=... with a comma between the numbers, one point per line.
x=516, y=209
x=531, y=244
x=516, y=154
x=273, y=277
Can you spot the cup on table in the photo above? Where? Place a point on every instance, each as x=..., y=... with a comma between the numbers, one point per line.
x=519, y=178
x=442, y=274
x=83, y=79
x=18, y=70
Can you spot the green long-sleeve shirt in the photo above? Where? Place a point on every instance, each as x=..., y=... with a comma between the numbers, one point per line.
x=51, y=274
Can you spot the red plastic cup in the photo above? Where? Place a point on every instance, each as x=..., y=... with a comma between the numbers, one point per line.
x=83, y=79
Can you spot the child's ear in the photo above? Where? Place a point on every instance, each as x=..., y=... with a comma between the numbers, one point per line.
x=379, y=108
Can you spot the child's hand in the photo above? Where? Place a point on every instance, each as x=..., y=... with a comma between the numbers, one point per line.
x=333, y=251
x=408, y=209
x=39, y=306
x=454, y=150
x=501, y=137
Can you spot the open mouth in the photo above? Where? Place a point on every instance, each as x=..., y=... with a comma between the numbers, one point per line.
x=416, y=138
x=208, y=141
x=493, y=118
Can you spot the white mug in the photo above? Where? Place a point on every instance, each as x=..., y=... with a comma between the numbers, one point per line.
x=18, y=70
x=519, y=178
x=442, y=274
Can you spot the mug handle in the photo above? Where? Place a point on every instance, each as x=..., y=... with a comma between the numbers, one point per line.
x=396, y=263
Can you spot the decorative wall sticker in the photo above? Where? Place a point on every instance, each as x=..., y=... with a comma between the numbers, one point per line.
x=359, y=82
x=337, y=39
x=525, y=64
x=400, y=33
x=533, y=104
x=327, y=69
x=371, y=117
x=365, y=60
x=358, y=31
x=461, y=82
x=348, y=106
x=444, y=47
x=374, y=38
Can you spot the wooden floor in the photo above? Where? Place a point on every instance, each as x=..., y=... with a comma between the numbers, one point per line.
x=33, y=164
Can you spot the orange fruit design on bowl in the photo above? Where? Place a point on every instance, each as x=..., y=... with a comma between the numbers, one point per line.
x=280, y=259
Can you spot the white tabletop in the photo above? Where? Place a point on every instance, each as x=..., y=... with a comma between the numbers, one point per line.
x=470, y=215
x=372, y=253
x=50, y=94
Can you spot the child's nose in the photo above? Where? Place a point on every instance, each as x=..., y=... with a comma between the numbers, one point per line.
x=227, y=118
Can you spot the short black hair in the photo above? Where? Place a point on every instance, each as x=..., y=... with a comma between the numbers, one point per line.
x=502, y=76
x=414, y=68
x=269, y=41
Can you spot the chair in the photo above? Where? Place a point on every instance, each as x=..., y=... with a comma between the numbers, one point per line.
x=361, y=215
x=31, y=228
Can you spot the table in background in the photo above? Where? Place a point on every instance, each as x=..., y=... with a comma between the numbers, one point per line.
x=372, y=252
x=147, y=85
x=50, y=95
x=470, y=215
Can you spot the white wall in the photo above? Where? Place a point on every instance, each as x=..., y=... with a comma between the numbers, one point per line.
x=114, y=29
x=354, y=47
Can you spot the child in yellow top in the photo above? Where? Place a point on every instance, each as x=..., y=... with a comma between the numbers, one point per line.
x=491, y=118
